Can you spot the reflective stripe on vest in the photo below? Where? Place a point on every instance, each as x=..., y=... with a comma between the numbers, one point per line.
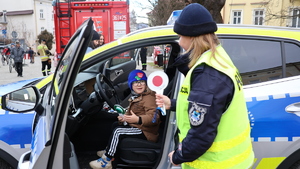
x=232, y=146
x=45, y=58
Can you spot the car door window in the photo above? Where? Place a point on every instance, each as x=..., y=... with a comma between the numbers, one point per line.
x=122, y=58
x=257, y=60
x=292, y=53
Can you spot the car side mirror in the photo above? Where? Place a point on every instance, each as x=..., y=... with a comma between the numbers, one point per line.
x=21, y=100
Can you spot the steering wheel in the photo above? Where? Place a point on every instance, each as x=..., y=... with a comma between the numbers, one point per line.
x=106, y=90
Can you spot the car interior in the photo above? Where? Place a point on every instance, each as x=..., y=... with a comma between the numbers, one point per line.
x=92, y=119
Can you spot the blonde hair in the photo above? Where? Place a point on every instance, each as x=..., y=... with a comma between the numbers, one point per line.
x=201, y=44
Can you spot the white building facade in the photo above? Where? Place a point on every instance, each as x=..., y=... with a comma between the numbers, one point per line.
x=25, y=19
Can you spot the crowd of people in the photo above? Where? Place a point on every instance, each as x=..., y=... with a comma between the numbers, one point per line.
x=96, y=41
x=18, y=54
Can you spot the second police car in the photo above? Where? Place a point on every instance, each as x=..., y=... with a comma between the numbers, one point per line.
x=73, y=118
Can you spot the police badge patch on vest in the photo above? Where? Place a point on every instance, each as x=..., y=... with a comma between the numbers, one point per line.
x=196, y=114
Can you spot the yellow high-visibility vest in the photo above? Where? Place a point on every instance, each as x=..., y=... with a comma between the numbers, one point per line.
x=232, y=147
x=42, y=50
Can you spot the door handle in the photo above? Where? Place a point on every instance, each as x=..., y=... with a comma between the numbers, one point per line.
x=293, y=108
x=118, y=72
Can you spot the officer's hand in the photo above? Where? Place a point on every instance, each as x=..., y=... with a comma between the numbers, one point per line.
x=171, y=156
x=163, y=100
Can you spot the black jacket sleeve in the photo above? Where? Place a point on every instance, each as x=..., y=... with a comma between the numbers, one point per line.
x=211, y=93
x=173, y=105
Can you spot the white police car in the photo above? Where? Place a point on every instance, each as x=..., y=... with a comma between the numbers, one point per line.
x=73, y=120
x=16, y=128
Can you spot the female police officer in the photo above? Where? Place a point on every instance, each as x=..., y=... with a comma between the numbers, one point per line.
x=211, y=111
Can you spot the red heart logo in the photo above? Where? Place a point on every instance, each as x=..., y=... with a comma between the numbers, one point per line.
x=140, y=75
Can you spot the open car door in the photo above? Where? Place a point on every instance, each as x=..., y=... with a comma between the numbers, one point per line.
x=51, y=147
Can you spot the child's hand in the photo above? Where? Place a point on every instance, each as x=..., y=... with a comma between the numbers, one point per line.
x=131, y=118
x=121, y=118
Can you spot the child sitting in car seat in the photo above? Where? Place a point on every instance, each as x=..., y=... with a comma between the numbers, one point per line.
x=141, y=118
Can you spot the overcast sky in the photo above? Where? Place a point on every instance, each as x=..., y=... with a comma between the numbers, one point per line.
x=139, y=11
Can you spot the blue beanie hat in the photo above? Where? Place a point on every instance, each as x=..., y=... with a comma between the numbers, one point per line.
x=136, y=75
x=195, y=20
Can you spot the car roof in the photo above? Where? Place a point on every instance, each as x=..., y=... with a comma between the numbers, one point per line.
x=223, y=29
x=233, y=29
x=257, y=30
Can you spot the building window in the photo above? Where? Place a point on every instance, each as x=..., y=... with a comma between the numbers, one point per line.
x=42, y=29
x=41, y=14
x=296, y=18
x=237, y=17
x=258, y=17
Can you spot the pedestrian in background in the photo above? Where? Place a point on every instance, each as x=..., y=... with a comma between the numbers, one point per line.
x=7, y=49
x=211, y=112
x=17, y=53
x=44, y=52
x=30, y=53
x=94, y=42
x=101, y=40
x=143, y=55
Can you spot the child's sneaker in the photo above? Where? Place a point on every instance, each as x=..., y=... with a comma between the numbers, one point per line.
x=100, y=153
x=103, y=162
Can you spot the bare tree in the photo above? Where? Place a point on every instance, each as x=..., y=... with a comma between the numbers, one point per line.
x=162, y=9
x=149, y=5
x=9, y=28
x=133, y=22
x=25, y=33
x=46, y=36
x=282, y=15
x=213, y=6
